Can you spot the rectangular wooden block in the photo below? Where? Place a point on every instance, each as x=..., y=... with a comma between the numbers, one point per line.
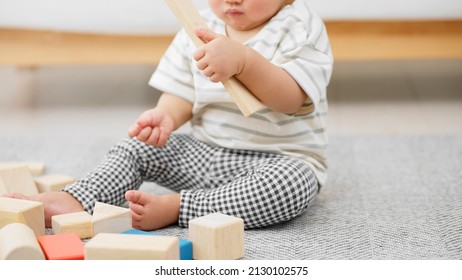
x=26, y=212
x=78, y=223
x=53, y=182
x=185, y=245
x=217, y=237
x=35, y=167
x=110, y=219
x=17, y=180
x=112, y=246
x=67, y=246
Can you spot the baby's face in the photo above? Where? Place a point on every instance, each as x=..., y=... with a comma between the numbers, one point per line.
x=246, y=15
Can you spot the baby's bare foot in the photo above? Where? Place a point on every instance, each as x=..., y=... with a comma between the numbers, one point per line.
x=54, y=203
x=151, y=212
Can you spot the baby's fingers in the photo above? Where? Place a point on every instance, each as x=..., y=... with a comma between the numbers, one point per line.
x=153, y=137
x=149, y=118
x=163, y=137
x=144, y=134
x=158, y=137
x=134, y=130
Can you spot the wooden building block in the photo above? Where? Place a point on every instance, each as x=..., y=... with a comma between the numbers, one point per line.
x=78, y=223
x=67, y=246
x=35, y=167
x=190, y=19
x=53, y=182
x=185, y=245
x=112, y=246
x=27, y=212
x=217, y=237
x=17, y=180
x=18, y=242
x=110, y=219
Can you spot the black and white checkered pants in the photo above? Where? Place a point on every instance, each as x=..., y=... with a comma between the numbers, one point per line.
x=262, y=188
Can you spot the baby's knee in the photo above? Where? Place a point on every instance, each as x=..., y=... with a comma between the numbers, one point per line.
x=129, y=146
x=294, y=182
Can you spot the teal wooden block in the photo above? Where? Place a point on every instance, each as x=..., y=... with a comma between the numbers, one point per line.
x=185, y=245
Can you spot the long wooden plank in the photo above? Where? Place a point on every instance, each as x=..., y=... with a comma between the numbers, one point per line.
x=395, y=39
x=190, y=19
x=351, y=40
x=34, y=47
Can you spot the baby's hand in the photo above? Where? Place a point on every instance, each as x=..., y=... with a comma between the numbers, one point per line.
x=153, y=127
x=220, y=58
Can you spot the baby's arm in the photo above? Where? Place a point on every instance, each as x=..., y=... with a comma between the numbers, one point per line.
x=155, y=126
x=222, y=58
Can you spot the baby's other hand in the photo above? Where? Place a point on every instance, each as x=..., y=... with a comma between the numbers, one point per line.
x=153, y=127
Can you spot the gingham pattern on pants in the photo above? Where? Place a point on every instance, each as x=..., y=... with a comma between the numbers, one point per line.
x=262, y=188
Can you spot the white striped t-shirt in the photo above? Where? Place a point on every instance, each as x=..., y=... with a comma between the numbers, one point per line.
x=294, y=39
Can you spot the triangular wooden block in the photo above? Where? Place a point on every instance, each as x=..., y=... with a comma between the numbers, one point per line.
x=110, y=219
x=17, y=180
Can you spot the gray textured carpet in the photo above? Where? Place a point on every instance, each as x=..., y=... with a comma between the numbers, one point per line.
x=388, y=197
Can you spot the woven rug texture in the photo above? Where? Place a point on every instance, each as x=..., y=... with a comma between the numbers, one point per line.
x=387, y=197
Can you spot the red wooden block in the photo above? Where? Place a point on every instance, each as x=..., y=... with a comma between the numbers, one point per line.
x=66, y=246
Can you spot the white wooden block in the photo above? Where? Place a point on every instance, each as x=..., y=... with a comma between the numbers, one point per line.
x=18, y=242
x=27, y=212
x=17, y=180
x=53, y=182
x=78, y=223
x=110, y=219
x=217, y=237
x=111, y=246
x=35, y=167
x=190, y=19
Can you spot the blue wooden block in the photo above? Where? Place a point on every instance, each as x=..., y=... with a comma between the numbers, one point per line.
x=185, y=249
x=137, y=231
x=185, y=245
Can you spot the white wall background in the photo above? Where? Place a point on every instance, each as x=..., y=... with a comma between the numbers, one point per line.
x=154, y=17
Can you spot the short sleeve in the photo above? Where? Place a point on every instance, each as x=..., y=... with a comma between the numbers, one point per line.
x=173, y=74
